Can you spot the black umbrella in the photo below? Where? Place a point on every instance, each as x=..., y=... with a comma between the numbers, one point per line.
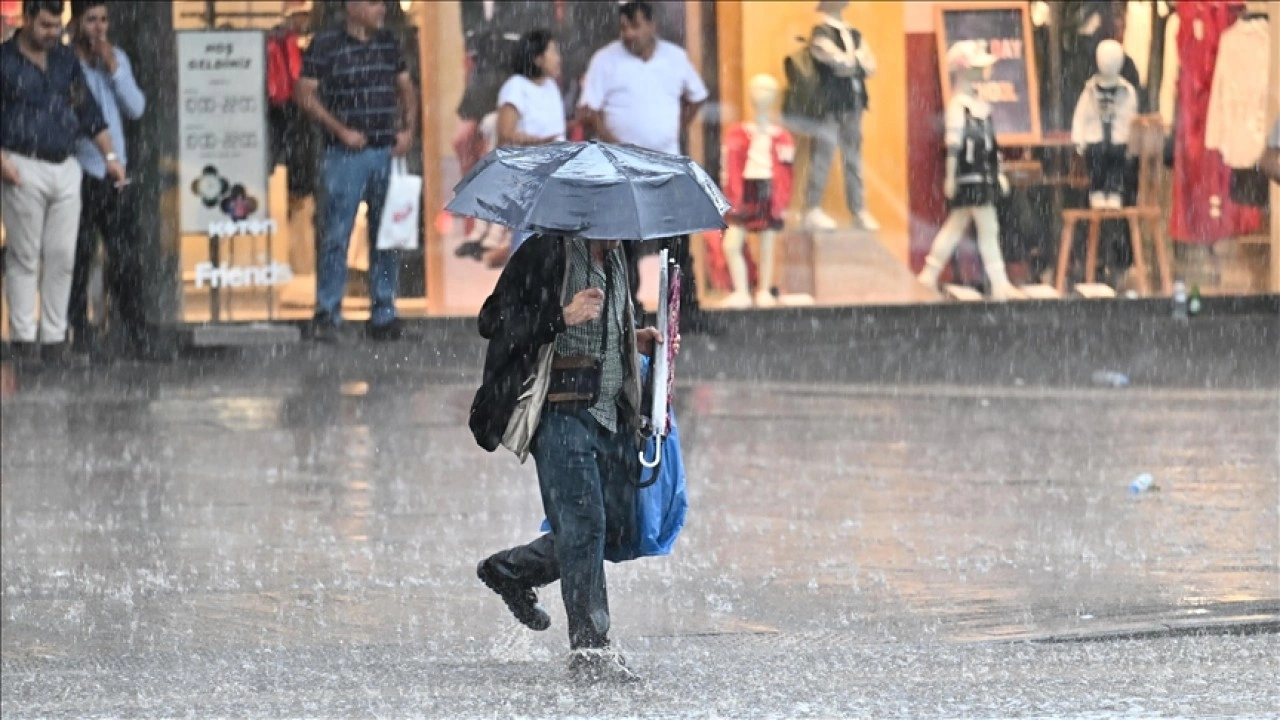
x=591, y=190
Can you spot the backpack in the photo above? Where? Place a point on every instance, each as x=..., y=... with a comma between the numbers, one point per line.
x=801, y=99
x=284, y=66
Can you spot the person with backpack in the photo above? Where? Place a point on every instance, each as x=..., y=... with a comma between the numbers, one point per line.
x=834, y=98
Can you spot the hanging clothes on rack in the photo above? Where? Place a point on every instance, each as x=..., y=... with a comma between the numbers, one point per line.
x=1237, y=119
x=1202, y=212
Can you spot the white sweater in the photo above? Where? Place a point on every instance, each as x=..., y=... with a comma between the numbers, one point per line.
x=1236, y=125
x=1086, y=123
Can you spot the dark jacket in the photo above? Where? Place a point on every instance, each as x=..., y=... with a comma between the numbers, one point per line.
x=521, y=316
x=835, y=93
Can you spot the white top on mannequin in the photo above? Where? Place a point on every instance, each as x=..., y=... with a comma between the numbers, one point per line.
x=762, y=129
x=1091, y=114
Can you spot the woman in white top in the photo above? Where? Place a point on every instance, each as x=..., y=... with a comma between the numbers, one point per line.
x=530, y=106
x=530, y=112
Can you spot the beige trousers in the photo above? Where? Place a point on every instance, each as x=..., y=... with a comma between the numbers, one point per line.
x=41, y=219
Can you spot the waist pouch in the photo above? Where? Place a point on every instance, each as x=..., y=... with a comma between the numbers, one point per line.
x=575, y=379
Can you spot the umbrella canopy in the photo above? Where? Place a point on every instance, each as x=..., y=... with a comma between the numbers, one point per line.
x=591, y=190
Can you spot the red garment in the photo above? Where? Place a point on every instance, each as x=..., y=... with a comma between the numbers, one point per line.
x=718, y=268
x=1202, y=211
x=737, y=142
x=284, y=65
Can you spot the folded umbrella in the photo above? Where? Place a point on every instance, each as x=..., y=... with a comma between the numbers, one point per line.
x=591, y=190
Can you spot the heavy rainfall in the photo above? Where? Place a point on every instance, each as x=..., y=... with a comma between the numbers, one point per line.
x=537, y=359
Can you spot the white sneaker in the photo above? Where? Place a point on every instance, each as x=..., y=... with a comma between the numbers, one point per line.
x=736, y=301
x=816, y=219
x=765, y=299
x=1114, y=201
x=1097, y=200
x=866, y=221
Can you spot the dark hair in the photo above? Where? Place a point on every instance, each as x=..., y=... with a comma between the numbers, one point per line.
x=632, y=10
x=32, y=8
x=80, y=7
x=532, y=46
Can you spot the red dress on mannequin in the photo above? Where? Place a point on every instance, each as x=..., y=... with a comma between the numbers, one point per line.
x=1202, y=209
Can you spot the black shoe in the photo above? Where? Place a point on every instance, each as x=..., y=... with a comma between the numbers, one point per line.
x=25, y=354
x=387, y=332
x=59, y=355
x=326, y=331
x=521, y=600
x=600, y=665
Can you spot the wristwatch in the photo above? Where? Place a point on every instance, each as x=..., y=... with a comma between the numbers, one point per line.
x=112, y=157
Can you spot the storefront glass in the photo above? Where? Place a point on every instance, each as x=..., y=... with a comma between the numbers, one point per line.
x=267, y=272
x=1212, y=240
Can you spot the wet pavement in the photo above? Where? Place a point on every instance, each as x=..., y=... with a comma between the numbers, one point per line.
x=890, y=516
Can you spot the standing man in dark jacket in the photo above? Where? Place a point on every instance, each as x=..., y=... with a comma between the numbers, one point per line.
x=562, y=357
x=106, y=209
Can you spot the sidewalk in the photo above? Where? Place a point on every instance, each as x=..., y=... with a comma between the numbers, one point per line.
x=883, y=523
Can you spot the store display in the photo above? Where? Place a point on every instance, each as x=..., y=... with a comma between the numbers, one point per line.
x=973, y=178
x=1237, y=118
x=1100, y=126
x=759, y=157
x=1202, y=212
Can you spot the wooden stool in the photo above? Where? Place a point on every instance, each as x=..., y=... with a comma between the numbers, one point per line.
x=1134, y=216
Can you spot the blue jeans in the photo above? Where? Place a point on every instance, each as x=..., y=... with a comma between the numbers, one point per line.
x=347, y=178
x=587, y=476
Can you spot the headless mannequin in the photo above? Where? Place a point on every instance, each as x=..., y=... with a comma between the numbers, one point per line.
x=970, y=202
x=764, y=92
x=1100, y=126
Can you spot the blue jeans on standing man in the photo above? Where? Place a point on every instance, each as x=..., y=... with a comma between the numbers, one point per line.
x=587, y=476
x=347, y=178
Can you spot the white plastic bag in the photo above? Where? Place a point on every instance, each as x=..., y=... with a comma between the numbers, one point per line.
x=399, y=228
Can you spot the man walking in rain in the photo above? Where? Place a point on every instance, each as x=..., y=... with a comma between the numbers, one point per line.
x=560, y=322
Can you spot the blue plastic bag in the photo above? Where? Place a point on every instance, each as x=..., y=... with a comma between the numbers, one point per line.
x=660, y=507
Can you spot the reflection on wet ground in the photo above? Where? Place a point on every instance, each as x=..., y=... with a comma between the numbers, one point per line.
x=305, y=538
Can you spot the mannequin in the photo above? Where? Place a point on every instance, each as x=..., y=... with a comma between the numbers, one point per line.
x=759, y=157
x=1100, y=126
x=973, y=175
x=843, y=61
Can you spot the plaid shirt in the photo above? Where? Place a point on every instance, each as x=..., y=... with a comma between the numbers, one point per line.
x=584, y=339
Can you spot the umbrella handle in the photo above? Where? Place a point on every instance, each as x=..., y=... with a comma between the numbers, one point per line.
x=657, y=455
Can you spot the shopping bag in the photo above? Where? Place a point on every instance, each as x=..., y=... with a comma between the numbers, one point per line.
x=661, y=504
x=399, y=228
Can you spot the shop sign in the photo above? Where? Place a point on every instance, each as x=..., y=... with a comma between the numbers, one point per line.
x=234, y=276
x=222, y=131
x=1004, y=30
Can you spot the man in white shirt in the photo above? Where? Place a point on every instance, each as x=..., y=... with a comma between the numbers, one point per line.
x=642, y=90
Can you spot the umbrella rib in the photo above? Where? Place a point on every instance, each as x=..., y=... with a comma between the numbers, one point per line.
x=635, y=200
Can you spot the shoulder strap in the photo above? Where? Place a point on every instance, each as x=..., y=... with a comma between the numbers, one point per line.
x=608, y=296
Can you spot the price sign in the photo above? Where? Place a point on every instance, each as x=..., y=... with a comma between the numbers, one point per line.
x=222, y=129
